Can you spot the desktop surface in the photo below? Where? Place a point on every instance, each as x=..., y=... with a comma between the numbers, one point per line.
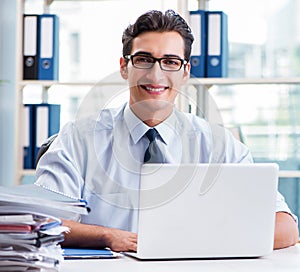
x=286, y=260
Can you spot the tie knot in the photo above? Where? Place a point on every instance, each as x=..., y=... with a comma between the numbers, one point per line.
x=151, y=134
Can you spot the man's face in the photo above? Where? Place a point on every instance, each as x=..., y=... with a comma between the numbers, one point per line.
x=154, y=89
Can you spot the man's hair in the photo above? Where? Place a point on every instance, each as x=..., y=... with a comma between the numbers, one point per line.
x=159, y=22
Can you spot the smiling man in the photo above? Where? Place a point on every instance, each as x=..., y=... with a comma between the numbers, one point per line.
x=99, y=158
x=155, y=69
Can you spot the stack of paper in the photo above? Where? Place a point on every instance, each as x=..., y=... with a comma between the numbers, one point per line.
x=30, y=227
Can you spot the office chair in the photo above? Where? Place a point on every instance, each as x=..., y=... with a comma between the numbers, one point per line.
x=237, y=133
x=44, y=147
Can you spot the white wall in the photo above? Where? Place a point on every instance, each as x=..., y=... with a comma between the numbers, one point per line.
x=7, y=89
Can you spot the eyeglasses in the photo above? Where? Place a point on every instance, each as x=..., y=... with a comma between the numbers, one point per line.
x=170, y=64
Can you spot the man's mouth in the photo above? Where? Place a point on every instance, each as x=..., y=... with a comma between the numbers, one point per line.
x=153, y=89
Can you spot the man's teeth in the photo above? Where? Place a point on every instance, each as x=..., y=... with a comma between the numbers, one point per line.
x=154, y=89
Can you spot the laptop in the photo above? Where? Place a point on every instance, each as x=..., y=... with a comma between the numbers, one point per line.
x=197, y=211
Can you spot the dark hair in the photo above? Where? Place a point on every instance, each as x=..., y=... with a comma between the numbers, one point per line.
x=157, y=21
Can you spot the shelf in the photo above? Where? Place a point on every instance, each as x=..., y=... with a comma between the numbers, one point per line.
x=49, y=83
x=27, y=172
x=289, y=174
x=238, y=81
x=192, y=81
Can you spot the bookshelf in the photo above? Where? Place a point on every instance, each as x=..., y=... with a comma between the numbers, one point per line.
x=11, y=157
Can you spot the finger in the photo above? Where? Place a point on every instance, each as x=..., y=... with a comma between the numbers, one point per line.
x=133, y=247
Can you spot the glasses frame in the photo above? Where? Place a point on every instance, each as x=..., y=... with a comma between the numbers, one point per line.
x=130, y=58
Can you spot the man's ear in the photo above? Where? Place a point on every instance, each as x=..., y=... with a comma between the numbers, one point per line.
x=123, y=68
x=186, y=74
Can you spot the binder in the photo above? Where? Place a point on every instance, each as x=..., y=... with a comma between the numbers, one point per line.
x=197, y=24
x=217, y=44
x=30, y=44
x=28, y=141
x=47, y=123
x=48, y=49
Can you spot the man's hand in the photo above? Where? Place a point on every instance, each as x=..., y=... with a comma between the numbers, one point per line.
x=93, y=236
x=286, y=231
x=119, y=240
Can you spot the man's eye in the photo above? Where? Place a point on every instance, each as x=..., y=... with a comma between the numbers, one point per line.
x=172, y=62
x=142, y=59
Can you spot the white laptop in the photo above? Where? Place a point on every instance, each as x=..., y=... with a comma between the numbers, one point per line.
x=206, y=211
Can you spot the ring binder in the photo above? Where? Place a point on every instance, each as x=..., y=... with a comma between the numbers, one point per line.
x=48, y=37
x=197, y=23
x=217, y=44
x=30, y=44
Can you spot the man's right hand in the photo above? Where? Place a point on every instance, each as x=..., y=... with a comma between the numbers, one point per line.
x=93, y=236
x=120, y=240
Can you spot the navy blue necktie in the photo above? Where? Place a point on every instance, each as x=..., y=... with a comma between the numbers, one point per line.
x=153, y=153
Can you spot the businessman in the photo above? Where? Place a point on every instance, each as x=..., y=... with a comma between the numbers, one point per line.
x=99, y=158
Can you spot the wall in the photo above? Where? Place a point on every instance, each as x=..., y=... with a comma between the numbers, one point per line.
x=8, y=22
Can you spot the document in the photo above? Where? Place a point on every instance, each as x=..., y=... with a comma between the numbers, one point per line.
x=83, y=253
x=36, y=199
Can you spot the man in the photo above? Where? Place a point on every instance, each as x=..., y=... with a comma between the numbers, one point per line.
x=99, y=158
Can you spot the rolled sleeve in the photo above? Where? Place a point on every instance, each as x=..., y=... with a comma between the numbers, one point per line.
x=281, y=206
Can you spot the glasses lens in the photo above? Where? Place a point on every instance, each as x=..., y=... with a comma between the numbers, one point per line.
x=142, y=62
x=171, y=64
x=147, y=62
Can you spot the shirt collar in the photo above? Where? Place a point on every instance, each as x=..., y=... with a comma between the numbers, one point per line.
x=137, y=128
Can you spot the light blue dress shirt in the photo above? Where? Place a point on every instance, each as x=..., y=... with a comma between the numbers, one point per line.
x=99, y=159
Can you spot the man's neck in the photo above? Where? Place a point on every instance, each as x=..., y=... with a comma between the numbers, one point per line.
x=152, y=117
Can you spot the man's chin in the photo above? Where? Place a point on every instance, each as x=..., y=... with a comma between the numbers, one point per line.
x=160, y=109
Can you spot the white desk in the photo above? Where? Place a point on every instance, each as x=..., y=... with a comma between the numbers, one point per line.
x=284, y=260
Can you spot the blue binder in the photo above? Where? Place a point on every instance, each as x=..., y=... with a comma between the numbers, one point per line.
x=197, y=24
x=28, y=139
x=217, y=44
x=48, y=47
x=47, y=123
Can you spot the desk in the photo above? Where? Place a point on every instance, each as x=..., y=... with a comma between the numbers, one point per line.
x=284, y=260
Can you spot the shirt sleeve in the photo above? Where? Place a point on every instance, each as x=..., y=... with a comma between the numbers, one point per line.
x=60, y=169
x=238, y=152
x=281, y=206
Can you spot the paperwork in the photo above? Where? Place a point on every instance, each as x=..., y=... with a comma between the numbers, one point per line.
x=83, y=253
x=31, y=229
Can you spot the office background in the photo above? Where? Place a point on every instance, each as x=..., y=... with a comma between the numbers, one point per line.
x=264, y=43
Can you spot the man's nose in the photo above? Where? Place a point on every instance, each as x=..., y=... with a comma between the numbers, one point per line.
x=156, y=71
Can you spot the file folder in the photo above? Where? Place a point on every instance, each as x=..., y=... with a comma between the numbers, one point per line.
x=48, y=49
x=47, y=123
x=88, y=253
x=28, y=141
x=217, y=44
x=197, y=24
x=30, y=44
